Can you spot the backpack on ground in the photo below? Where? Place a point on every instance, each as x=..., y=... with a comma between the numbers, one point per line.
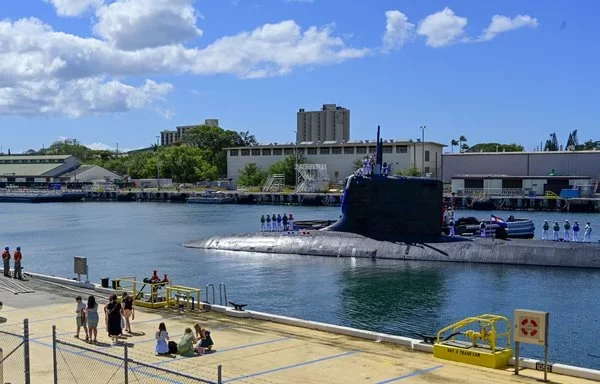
x=172, y=347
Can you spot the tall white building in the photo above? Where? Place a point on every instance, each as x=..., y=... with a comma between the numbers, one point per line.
x=331, y=123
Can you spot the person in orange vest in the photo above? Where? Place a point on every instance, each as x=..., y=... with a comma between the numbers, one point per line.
x=17, y=270
x=6, y=260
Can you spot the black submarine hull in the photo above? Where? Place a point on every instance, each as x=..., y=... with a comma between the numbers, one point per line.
x=430, y=248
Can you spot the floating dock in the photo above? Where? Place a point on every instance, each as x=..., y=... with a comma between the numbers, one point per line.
x=251, y=347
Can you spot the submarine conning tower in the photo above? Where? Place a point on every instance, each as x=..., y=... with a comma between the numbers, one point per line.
x=392, y=208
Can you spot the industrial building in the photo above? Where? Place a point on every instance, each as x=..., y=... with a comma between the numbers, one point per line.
x=331, y=123
x=35, y=169
x=340, y=158
x=522, y=164
x=170, y=137
x=90, y=173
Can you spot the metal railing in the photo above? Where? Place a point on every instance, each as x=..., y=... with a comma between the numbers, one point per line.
x=14, y=354
x=488, y=192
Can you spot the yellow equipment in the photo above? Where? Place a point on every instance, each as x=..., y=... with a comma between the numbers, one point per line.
x=474, y=341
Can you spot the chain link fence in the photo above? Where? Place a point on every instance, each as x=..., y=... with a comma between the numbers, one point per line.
x=14, y=354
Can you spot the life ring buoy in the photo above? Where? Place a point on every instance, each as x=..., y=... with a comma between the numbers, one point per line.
x=529, y=327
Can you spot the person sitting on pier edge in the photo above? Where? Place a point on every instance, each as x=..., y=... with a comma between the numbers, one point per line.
x=451, y=225
x=555, y=229
x=546, y=227
x=279, y=225
x=576, y=231
x=268, y=222
x=185, y=347
x=482, y=228
x=206, y=342
x=262, y=223
x=6, y=261
x=284, y=220
x=17, y=270
x=587, y=234
x=567, y=227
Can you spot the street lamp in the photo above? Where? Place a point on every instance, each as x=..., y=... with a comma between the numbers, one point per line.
x=423, y=149
x=157, y=166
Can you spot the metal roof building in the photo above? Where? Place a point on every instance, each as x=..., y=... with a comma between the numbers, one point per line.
x=25, y=168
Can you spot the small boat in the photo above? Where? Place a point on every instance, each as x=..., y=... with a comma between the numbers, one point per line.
x=210, y=197
x=515, y=228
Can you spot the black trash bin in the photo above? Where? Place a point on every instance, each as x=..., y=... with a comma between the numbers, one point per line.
x=104, y=281
x=115, y=284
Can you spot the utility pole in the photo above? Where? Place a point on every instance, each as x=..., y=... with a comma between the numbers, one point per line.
x=423, y=150
x=157, y=166
x=296, y=165
x=117, y=149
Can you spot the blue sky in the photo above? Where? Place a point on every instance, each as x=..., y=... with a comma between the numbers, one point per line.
x=120, y=71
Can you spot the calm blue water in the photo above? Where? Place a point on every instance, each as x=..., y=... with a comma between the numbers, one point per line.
x=124, y=239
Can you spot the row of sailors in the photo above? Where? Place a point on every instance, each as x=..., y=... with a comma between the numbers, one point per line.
x=569, y=234
x=367, y=166
x=276, y=223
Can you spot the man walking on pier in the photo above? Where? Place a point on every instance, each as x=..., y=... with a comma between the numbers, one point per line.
x=567, y=228
x=546, y=228
x=588, y=232
x=6, y=261
x=555, y=229
x=17, y=270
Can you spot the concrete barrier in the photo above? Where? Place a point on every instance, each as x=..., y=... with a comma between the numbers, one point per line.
x=61, y=280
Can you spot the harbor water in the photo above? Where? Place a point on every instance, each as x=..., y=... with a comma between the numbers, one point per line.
x=402, y=298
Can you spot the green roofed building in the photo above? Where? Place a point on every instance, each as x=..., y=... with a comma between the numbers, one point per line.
x=36, y=169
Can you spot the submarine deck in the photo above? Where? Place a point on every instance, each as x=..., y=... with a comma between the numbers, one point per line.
x=250, y=351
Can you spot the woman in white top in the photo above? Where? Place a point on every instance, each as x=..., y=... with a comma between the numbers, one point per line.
x=162, y=347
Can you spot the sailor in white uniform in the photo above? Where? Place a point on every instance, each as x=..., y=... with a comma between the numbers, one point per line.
x=451, y=225
x=587, y=234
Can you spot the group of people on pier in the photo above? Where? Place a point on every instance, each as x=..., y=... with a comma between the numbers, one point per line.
x=276, y=223
x=196, y=341
x=116, y=317
x=17, y=257
x=570, y=233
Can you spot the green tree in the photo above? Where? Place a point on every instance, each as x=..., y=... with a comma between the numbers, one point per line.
x=589, y=145
x=496, y=147
x=252, y=176
x=287, y=167
x=411, y=171
x=461, y=140
x=552, y=143
x=453, y=143
x=572, y=141
x=186, y=164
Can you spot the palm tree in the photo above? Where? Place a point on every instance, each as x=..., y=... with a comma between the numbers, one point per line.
x=461, y=140
x=453, y=144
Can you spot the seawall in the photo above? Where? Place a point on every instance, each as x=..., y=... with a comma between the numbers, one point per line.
x=339, y=244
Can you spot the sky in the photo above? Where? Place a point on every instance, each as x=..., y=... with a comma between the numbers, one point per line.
x=117, y=72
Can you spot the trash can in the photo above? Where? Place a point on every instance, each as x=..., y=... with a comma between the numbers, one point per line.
x=115, y=284
x=104, y=281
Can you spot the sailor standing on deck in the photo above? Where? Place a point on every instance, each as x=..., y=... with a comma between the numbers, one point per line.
x=268, y=222
x=6, y=261
x=290, y=222
x=284, y=220
x=576, y=231
x=279, y=226
x=263, y=227
x=451, y=225
x=567, y=228
x=17, y=270
x=482, y=228
x=587, y=234
x=555, y=229
x=274, y=222
x=546, y=228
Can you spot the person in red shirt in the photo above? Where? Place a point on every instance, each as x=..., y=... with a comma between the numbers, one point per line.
x=17, y=270
x=6, y=261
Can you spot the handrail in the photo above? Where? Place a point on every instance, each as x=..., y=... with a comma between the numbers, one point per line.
x=484, y=334
x=224, y=291
x=213, y=293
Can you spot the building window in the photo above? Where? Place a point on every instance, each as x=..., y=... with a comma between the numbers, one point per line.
x=336, y=174
x=361, y=150
x=401, y=149
x=372, y=149
x=245, y=152
x=426, y=155
x=277, y=152
x=427, y=170
x=311, y=151
x=324, y=150
x=29, y=180
x=10, y=179
x=255, y=152
x=234, y=152
x=336, y=150
x=387, y=149
x=300, y=151
x=348, y=150
x=266, y=152
x=287, y=151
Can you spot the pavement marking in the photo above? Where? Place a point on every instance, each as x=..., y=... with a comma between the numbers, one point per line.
x=412, y=374
x=227, y=349
x=291, y=366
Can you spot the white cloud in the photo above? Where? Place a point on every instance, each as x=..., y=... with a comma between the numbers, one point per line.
x=397, y=30
x=137, y=24
x=47, y=72
x=442, y=28
x=74, y=7
x=100, y=147
x=500, y=24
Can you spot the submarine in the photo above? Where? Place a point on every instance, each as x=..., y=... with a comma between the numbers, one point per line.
x=397, y=217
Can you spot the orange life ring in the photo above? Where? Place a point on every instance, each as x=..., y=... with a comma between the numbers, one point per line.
x=529, y=327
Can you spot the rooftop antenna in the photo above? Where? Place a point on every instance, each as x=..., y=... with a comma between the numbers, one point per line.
x=378, y=153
